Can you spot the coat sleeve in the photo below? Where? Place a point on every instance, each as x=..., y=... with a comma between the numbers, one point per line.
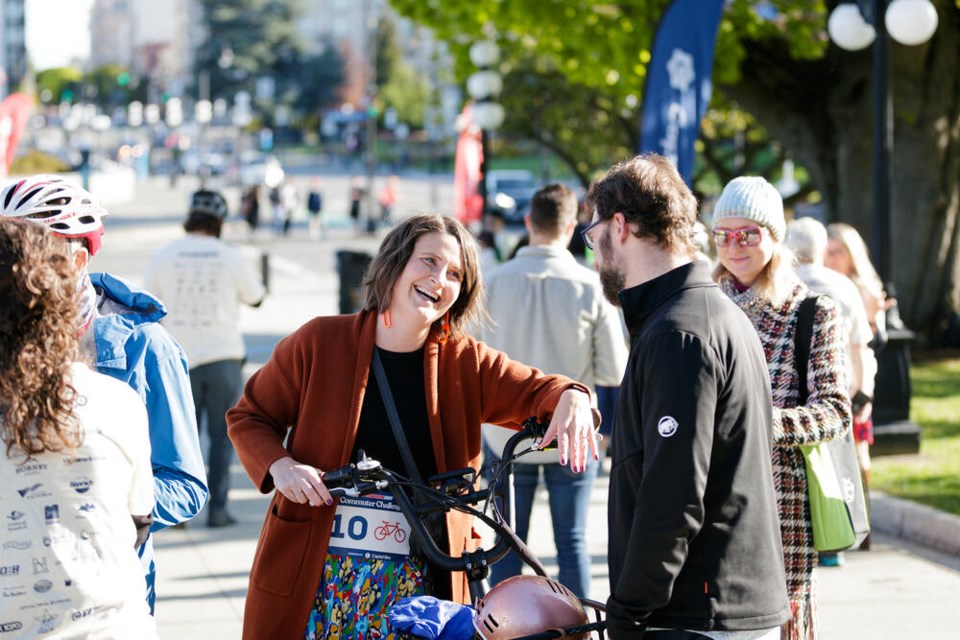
x=677, y=405
x=826, y=415
x=270, y=405
x=512, y=392
x=178, y=472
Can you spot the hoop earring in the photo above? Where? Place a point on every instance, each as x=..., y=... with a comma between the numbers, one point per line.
x=387, y=319
x=444, y=329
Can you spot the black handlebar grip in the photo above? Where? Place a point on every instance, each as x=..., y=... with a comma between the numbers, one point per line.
x=339, y=477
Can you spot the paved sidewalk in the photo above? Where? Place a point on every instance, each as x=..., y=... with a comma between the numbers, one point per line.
x=896, y=591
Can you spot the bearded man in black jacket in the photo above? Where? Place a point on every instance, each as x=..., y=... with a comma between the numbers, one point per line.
x=694, y=541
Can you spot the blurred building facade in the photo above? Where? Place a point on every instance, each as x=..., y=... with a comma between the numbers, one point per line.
x=156, y=40
x=13, y=45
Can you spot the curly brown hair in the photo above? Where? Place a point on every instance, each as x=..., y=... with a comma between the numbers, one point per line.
x=649, y=191
x=39, y=305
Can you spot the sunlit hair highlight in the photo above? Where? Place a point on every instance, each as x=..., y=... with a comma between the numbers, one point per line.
x=864, y=275
x=395, y=252
x=38, y=341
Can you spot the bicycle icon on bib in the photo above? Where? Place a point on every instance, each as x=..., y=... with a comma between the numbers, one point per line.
x=390, y=529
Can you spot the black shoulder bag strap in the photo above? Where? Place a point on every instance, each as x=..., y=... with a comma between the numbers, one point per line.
x=802, y=338
x=391, y=408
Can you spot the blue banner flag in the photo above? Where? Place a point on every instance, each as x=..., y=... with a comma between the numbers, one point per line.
x=678, y=85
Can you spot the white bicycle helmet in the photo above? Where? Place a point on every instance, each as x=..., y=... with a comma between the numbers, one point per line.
x=526, y=605
x=66, y=209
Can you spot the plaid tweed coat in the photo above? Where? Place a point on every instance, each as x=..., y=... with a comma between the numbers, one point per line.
x=825, y=416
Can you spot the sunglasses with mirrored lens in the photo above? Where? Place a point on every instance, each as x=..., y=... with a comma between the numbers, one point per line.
x=744, y=236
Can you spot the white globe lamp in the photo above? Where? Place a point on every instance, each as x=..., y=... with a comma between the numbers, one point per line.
x=848, y=29
x=911, y=22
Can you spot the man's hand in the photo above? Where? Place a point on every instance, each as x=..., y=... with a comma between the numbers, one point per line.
x=573, y=426
x=299, y=482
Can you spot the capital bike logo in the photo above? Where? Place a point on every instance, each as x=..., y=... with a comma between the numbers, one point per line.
x=81, y=485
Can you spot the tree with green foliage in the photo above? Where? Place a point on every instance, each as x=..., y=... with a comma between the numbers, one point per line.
x=320, y=78
x=399, y=86
x=62, y=83
x=111, y=85
x=247, y=40
x=813, y=98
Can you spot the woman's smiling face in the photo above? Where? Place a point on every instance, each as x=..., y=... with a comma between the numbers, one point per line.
x=431, y=280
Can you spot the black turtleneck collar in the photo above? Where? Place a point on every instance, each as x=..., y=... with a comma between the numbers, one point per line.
x=640, y=301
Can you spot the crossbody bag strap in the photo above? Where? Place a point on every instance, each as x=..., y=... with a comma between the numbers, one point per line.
x=391, y=408
x=802, y=339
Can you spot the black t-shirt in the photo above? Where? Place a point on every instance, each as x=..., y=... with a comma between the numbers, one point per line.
x=375, y=435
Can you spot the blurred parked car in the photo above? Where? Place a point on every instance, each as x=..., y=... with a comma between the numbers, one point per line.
x=196, y=162
x=509, y=192
x=256, y=168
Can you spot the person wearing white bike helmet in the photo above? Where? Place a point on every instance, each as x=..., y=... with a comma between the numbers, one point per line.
x=205, y=281
x=124, y=339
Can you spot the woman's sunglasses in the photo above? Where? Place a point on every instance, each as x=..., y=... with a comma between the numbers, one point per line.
x=744, y=236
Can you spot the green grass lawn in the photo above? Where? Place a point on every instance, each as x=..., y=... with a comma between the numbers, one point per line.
x=931, y=477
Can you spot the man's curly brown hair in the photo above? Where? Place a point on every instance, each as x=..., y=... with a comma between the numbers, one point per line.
x=39, y=306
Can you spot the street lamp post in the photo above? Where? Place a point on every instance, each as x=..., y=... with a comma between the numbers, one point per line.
x=484, y=87
x=854, y=27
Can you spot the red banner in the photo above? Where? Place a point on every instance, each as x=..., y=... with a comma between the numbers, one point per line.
x=467, y=201
x=14, y=111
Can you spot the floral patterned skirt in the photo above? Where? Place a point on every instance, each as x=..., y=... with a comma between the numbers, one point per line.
x=356, y=593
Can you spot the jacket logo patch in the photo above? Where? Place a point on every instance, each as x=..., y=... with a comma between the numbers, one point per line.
x=667, y=426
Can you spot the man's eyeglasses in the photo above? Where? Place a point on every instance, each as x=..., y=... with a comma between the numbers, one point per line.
x=744, y=236
x=585, y=234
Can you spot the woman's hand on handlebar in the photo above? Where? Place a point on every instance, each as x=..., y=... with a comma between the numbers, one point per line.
x=573, y=426
x=300, y=482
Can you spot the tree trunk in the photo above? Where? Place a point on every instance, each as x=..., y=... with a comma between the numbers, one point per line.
x=822, y=111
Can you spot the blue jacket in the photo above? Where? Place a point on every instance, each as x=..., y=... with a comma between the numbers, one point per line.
x=131, y=346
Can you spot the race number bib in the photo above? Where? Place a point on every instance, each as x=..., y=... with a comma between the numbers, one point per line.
x=371, y=527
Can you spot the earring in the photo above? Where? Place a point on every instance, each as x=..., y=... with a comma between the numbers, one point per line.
x=444, y=329
x=387, y=320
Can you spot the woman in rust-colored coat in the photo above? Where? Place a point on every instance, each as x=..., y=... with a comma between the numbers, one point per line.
x=420, y=289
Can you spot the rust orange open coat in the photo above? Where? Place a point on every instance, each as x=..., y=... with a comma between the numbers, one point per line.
x=314, y=384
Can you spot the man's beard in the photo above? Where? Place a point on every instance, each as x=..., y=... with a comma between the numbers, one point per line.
x=612, y=279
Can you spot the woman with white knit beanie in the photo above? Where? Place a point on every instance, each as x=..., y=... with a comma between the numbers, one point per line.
x=756, y=271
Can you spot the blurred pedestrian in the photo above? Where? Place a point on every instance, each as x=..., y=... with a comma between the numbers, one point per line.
x=315, y=210
x=807, y=238
x=123, y=339
x=847, y=254
x=250, y=207
x=694, y=550
x=756, y=271
x=357, y=193
x=300, y=415
x=388, y=199
x=78, y=490
x=205, y=280
x=549, y=312
x=277, y=215
x=289, y=201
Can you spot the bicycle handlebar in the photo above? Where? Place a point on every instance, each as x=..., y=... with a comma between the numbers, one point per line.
x=456, y=492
